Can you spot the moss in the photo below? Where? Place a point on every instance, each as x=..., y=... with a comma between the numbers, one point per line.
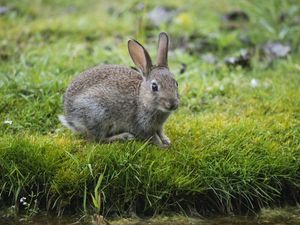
x=235, y=146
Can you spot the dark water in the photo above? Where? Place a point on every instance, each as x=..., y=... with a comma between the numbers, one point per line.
x=286, y=216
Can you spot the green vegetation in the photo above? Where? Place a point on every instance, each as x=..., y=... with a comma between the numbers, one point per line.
x=235, y=139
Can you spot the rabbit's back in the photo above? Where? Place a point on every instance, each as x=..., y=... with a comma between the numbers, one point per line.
x=106, y=77
x=102, y=99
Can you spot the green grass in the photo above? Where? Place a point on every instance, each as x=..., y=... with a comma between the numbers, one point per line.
x=235, y=148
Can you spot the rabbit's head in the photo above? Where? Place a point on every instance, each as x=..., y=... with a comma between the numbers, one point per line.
x=159, y=88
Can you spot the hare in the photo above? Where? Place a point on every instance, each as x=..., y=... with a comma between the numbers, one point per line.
x=111, y=102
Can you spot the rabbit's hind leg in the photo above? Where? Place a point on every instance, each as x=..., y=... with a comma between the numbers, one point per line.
x=73, y=124
x=96, y=133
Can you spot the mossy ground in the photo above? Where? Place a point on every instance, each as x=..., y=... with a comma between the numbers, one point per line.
x=235, y=145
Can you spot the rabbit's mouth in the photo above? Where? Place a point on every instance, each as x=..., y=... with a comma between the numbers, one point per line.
x=169, y=106
x=163, y=109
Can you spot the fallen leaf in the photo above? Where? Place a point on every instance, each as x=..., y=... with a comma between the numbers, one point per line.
x=236, y=15
x=3, y=10
x=183, y=68
x=243, y=59
x=234, y=19
x=209, y=58
x=160, y=15
x=276, y=50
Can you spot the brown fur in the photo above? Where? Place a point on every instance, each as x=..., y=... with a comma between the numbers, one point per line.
x=112, y=102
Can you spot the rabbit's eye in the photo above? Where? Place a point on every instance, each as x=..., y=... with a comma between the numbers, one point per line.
x=154, y=86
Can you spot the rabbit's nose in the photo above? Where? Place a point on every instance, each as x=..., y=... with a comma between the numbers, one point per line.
x=173, y=104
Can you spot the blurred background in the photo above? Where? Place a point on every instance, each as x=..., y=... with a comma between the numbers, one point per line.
x=93, y=31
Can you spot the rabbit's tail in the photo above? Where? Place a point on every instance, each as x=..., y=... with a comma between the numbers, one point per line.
x=66, y=123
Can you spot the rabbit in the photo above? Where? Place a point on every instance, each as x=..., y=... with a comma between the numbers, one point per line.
x=112, y=102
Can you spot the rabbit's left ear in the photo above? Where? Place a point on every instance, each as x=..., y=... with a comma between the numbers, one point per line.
x=162, y=53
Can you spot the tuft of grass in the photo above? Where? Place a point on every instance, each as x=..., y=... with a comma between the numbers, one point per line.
x=236, y=147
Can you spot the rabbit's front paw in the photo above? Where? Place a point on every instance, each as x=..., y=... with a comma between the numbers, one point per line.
x=161, y=141
x=165, y=141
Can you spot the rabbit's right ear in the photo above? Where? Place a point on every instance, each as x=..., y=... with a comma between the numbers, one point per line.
x=140, y=56
x=162, y=52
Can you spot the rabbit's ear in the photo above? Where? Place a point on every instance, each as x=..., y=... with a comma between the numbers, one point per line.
x=162, y=53
x=140, y=56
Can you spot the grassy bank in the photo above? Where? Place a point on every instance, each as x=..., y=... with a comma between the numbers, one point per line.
x=236, y=136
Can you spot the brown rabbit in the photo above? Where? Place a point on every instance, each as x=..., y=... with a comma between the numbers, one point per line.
x=113, y=102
